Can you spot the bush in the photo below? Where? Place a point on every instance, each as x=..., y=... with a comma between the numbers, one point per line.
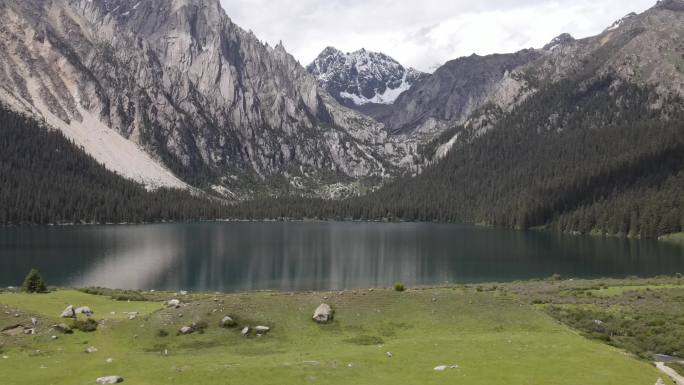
x=87, y=325
x=399, y=286
x=162, y=333
x=33, y=283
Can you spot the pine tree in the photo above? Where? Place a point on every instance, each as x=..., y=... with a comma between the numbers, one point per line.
x=33, y=283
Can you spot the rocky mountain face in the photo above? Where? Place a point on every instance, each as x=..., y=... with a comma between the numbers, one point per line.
x=363, y=80
x=644, y=50
x=173, y=93
x=452, y=92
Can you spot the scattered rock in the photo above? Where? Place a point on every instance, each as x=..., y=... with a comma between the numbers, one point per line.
x=62, y=328
x=30, y=331
x=68, y=312
x=323, y=314
x=173, y=303
x=54, y=337
x=245, y=331
x=186, y=330
x=34, y=321
x=228, y=322
x=85, y=310
x=389, y=354
x=109, y=380
x=91, y=350
x=183, y=292
x=261, y=329
x=109, y=360
x=660, y=382
x=598, y=322
x=13, y=330
x=132, y=316
x=5, y=357
x=442, y=368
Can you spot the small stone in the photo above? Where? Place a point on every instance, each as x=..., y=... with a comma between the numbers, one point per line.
x=183, y=292
x=660, y=382
x=245, y=331
x=16, y=315
x=441, y=368
x=54, y=337
x=132, y=317
x=186, y=330
x=34, y=321
x=62, y=328
x=91, y=350
x=109, y=380
x=109, y=360
x=389, y=354
x=261, y=329
x=173, y=303
x=5, y=357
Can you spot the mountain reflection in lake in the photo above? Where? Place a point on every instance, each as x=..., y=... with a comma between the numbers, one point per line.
x=236, y=256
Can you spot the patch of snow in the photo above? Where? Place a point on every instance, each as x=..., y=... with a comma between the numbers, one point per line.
x=388, y=97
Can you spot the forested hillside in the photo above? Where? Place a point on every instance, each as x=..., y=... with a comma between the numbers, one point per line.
x=46, y=179
x=592, y=158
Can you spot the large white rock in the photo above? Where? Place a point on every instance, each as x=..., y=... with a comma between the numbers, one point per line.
x=186, y=330
x=68, y=312
x=323, y=313
x=245, y=331
x=261, y=329
x=109, y=380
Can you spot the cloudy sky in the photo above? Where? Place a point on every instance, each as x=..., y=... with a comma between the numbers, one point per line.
x=423, y=33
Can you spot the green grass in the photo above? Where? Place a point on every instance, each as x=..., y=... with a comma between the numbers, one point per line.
x=492, y=336
x=677, y=366
x=675, y=237
x=614, y=291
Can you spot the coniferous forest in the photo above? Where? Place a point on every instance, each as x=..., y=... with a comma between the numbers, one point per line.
x=576, y=159
x=590, y=159
x=47, y=179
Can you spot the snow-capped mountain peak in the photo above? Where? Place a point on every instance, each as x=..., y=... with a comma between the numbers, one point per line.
x=362, y=77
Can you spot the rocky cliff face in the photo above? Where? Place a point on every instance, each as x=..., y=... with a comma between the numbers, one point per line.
x=449, y=95
x=199, y=99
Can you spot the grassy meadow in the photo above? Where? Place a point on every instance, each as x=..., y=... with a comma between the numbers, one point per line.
x=491, y=335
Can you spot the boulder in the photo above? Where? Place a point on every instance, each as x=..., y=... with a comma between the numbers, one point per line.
x=85, y=310
x=245, y=331
x=68, y=312
x=228, y=322
x=109, y=380
x=173, y=303
x=186, y=330
x=323, y=314
x=62, y=328
x=261, y=329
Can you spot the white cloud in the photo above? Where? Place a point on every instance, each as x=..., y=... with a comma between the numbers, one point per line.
x=424, y=33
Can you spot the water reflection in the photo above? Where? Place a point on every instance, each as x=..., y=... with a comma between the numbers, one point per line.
x=300, y=256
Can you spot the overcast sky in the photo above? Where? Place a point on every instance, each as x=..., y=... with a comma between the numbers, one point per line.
x=423, y=33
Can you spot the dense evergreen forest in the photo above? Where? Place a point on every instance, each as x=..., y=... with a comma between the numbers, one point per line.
x=592, y=158
x=47, y=179
x=595, y=158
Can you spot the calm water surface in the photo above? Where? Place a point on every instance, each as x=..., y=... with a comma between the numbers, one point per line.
x=299, y=256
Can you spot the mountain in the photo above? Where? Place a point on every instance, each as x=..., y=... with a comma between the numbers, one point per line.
x=452, y=92
x=173, y=93
x=585, y=138
x=363, y=80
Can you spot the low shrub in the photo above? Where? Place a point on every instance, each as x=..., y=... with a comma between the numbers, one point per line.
x=162, y=333
x=87, y=325
x=399, y=287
